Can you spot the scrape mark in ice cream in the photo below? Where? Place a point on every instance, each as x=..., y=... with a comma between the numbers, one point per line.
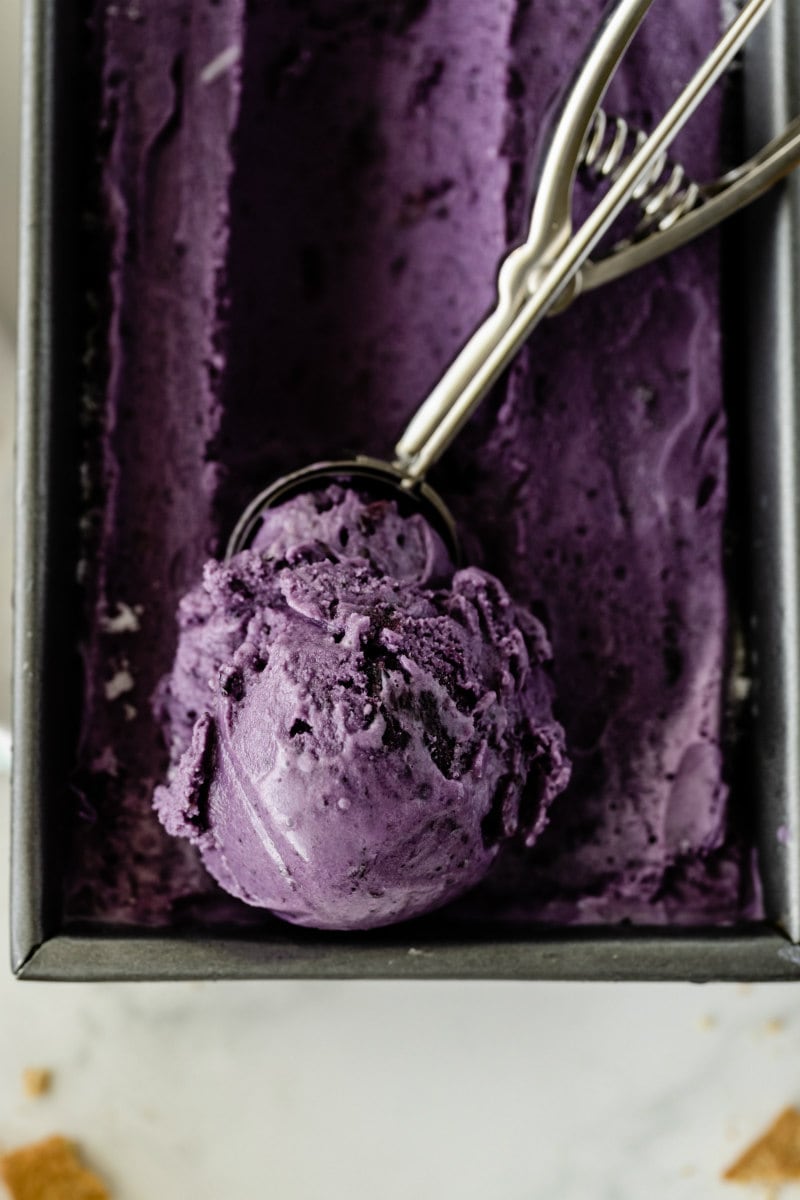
x=126, y=619
x=119, y=683
x=221, y=64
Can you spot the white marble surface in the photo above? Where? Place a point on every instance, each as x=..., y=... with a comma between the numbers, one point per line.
x=390, y=1091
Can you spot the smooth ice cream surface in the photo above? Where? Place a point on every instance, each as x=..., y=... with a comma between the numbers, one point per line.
x=352, y=743
x=291, y=294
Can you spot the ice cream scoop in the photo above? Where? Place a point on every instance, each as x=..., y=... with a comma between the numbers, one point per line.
x=357, y=727
x=553, y=265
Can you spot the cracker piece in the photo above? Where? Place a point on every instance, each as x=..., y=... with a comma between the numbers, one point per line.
x=49, y=1170
x=773, y=1159
x=36, y=1081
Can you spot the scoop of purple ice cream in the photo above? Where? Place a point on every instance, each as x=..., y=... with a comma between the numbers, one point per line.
x=355, y=727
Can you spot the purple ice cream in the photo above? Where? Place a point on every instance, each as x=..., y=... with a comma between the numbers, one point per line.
x=303, y=205
x=353, y=743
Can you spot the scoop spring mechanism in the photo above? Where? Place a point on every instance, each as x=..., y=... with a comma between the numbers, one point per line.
x=665, y=193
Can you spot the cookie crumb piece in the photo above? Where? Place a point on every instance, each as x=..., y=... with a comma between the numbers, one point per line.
x=49, y=1169
x=36, y=1081
x=773, y=1159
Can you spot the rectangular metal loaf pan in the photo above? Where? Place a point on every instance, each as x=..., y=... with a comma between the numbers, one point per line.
x=44, y=945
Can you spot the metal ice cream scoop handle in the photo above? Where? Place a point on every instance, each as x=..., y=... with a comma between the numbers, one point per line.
x=554, y=264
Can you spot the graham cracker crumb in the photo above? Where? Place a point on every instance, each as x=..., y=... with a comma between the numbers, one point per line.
x=774, y=1025
x=773, y=1159
x=49, y=1170
x=36, y=1081
x=707, y=1022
